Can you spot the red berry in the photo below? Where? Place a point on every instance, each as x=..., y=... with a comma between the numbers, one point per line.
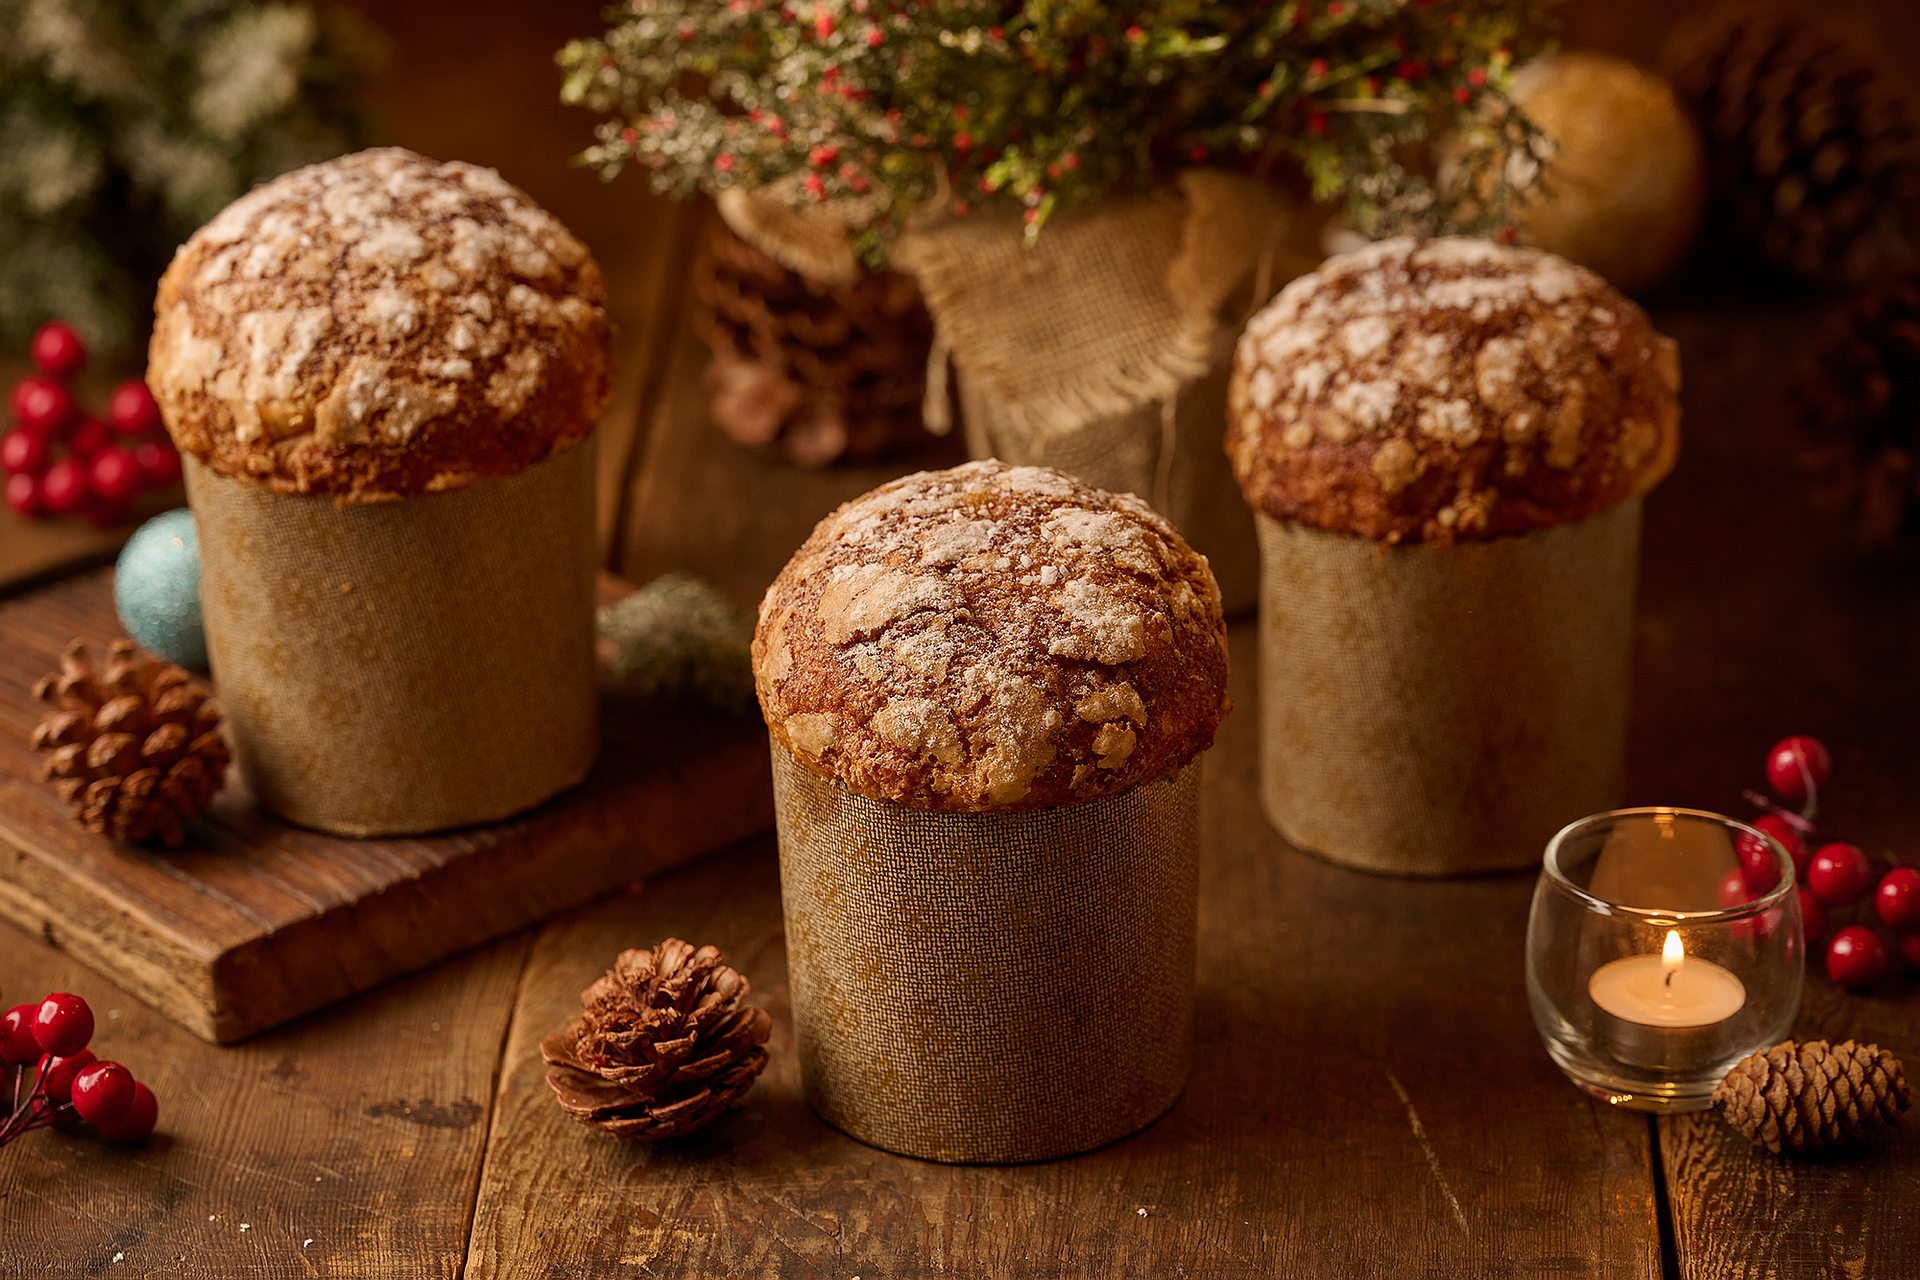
x=113, y=476
x=17, y=1044
x=1733, y=889
x=1813, y=916
x=1909, y=944
x=136, y=1123
x=1784, y=832
x=56, y=1076
x=57, y=349
x=132, y=410
x=159, y=463
x=1897, y=900
x=1856, y=957
x=102, y=1092
x=1798, y=767
x=23, y=494
x=22, y=450
x=41, y=405
x=1840, y=874
x=63, y=1024
x=63, y=487
x=87, y=437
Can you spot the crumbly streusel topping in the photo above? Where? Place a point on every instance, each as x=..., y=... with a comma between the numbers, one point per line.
x=993, y=637
x=1450, y=389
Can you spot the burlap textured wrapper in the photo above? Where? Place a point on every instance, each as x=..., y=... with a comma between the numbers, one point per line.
x=1432, y=711
x=398, y=667
x=989, y=988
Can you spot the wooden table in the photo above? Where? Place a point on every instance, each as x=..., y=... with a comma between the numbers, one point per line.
x=1369, y=1095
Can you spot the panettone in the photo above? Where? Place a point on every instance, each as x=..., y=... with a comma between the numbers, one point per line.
x=380, y=326
x=1449, y=390
x=992, y=638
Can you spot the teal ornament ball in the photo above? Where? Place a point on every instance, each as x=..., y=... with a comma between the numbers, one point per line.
x=156, y=589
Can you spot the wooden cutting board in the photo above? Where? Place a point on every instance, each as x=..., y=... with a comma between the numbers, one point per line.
x=255, y=921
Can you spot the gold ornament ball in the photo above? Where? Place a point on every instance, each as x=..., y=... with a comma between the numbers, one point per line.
x=1627, y=178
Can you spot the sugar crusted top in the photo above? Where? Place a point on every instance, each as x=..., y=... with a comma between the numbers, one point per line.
x=1450, y=389
x=378, y=326
x=990, y=638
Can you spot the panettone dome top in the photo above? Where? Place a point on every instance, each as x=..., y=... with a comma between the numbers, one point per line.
x=380, y=325
x=992, y=637
x=1450, y=389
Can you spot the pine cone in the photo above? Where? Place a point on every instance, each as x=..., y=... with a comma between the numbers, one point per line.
x=136, y=748
x=1814, y=155
x=820, y=372
x=1812, y=1096
x=1859, y=401
x=663, y=1044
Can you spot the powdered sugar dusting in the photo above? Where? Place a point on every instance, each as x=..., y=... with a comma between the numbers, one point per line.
x=970, y=633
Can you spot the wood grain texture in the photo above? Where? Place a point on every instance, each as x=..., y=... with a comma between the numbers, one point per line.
x=257, y=921
x=1762, y=620
x=348, y=1146
x=1369, y=1098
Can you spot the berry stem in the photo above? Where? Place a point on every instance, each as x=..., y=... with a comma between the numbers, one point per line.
x=22, y=1118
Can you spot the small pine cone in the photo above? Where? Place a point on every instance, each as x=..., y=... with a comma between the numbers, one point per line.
x=1814, y=152
x=1859, y=402
x=1812, y=1096
x=821, y=373
x=663, y=1044
x=134, y=748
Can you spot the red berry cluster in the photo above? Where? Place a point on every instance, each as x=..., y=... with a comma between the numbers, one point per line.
x=1835, y=878
x=60, y=460
x=70, y=1085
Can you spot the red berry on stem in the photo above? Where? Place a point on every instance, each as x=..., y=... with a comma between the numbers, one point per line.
x=62, y=1024
x=23, y=494
x=87, y=437
x=1840, y=874
x=1798, y=767
x=57, y=349
x=113, y=476
x=1897, y=900
x=1856, y=957
x=57, y=1073
x=23, y=451
x=1813, y=916
x=63, y=487
x=159, y=463
x=17, y=1044
x=102, y=1092
x=41, y=405
x=1757, y=857
x=132, y=409
x=136, y=1123
x=1733, y=889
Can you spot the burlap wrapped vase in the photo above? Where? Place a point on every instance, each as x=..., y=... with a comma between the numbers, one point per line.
x=384, y=374
x=1100, y=348
x=988, y=690
x=1447, y=444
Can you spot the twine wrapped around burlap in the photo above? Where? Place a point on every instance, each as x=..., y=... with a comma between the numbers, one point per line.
x=397, y=667
x=989, y=988
x=1432, y=710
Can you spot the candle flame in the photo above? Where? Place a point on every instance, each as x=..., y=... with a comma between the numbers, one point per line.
x=1671, y=954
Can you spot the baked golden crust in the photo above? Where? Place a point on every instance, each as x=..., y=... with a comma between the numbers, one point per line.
x=1450, y=389
x=992, y=638
x=380, y=326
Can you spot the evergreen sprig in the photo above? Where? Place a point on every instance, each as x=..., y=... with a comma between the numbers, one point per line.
x=1051, y=103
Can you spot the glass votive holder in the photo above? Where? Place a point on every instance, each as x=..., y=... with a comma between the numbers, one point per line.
x=1651, y=969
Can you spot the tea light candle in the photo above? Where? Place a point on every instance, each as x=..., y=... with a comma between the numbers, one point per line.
x=1667, y=1010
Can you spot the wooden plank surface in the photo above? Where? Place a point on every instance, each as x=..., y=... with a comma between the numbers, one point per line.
x=256, y=921
x=1369, y=1097
x=348, y=1146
